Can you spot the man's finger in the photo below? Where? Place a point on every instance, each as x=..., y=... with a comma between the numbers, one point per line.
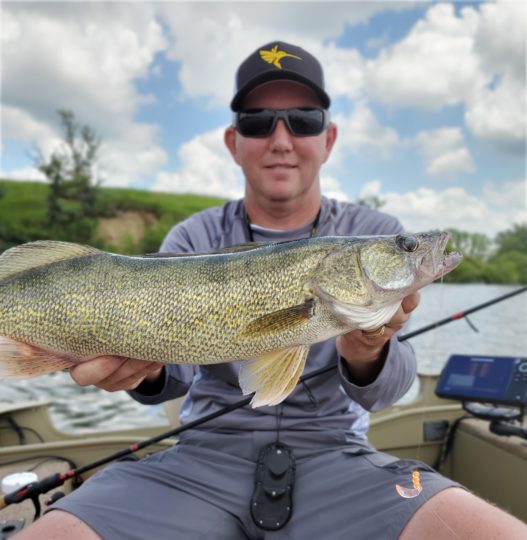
x=411, y=301
x=96, y=370
x=131, y=368
x=130, y=383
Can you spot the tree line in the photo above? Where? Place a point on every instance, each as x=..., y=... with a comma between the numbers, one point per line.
x=501, y=260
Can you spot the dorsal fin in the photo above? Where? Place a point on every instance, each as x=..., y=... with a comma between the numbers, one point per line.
x=231, y=249
x=40, y=253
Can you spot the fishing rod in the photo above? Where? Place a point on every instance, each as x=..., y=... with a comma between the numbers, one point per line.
x=462, y=314
x=34, y=489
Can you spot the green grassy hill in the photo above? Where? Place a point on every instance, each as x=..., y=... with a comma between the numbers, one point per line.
x=128, y=221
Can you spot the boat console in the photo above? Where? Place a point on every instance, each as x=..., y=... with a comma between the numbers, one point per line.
x=487, y=448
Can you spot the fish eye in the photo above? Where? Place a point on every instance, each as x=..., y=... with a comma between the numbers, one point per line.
x=408, y=242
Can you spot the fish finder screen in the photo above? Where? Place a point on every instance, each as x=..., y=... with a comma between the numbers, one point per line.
x=492, y=379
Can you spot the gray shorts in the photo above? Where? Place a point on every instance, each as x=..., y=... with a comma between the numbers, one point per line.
x=201, y=489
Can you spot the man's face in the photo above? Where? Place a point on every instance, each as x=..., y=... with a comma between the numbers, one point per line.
x=281, y=167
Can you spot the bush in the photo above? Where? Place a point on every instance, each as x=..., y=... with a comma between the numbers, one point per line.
x=509, y=267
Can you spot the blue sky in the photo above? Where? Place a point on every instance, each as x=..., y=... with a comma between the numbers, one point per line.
x=429, y=97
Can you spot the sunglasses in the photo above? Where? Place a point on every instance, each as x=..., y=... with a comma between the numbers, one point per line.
x=301, y=121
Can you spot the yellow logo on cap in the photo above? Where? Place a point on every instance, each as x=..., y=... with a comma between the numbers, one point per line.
x=274, y=56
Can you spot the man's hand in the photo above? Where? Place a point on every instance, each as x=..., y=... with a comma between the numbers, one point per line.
x=364, y=353
x=113, y=373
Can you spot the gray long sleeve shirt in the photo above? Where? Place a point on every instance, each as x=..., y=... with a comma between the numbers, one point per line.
x=327, y=402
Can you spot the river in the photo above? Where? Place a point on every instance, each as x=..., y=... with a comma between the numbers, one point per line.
x=502, y=331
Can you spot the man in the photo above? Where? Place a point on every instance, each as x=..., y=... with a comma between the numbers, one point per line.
x=204, y=487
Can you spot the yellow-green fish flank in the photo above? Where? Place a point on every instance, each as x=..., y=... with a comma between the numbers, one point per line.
x=266, y=303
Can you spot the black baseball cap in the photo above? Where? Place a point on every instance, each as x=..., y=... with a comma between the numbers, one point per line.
x=279, y=60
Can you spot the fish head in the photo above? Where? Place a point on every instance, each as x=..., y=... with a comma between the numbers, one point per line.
x=406, y=262
x=365, y=278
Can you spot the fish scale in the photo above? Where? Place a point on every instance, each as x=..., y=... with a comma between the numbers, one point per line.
x=264, y=303
x=175, y=300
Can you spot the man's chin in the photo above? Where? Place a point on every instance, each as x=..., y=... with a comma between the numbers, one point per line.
x=282, y=193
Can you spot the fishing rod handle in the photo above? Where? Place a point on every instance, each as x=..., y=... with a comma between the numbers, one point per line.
x=34, y=489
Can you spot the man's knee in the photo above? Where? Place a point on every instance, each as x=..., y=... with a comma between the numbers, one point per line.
x=457, y=513
x=58, y=525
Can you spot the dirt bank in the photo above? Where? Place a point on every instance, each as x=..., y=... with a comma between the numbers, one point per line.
x=129, y=224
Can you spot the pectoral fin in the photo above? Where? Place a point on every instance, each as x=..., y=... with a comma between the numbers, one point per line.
x=282, y=319
x=21, y=361
x=274, y=376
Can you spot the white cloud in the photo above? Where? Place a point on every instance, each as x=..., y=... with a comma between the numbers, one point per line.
x=20, y=124
x=126, y=159
x=362, y=132
x=206, y=168
x=433, y=66
x=500, y=37
x=508, y=198
x=85, y=57
x=494, y=211
x=332, y=188
x=231, y=31
x=371, y=189
x=451, y=162
x=27, y=173
x=498, y=111
x=343, y=70
x=444, y=152
x=499, y=114
x=475, y=58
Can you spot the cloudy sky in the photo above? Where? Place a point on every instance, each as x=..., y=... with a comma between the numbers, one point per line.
x=429, y=97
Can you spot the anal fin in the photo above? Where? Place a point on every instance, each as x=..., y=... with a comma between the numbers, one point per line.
x=22, y=361
x=273, y=377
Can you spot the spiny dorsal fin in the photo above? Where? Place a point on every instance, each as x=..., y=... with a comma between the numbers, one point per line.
x=232, y=249
x=40, y=253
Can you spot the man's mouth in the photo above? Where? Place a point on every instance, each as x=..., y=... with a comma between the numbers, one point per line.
x=281, y=168
x=285, y=166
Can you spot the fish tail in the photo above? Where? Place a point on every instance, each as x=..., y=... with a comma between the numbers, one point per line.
x=21, y=361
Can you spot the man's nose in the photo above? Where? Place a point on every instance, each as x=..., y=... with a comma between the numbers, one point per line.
x=281, y=138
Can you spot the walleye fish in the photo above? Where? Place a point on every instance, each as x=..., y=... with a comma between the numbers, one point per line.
x=62, y=303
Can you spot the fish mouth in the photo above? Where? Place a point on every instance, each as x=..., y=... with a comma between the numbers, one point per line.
x=436, y=263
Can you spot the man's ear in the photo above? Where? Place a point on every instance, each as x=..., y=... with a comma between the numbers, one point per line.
x=229, y=137
x=331, y=137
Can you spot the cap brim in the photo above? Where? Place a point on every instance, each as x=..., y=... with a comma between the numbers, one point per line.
x=275, y=76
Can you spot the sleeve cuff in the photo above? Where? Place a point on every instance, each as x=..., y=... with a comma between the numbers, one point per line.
x=392, y=382
x=151, y=393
